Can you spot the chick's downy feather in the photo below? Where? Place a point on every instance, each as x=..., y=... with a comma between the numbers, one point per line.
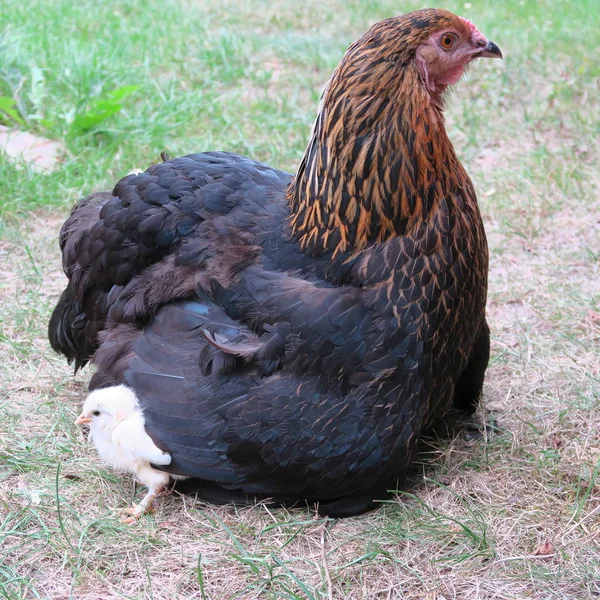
x=118, y=431
x=291, y=337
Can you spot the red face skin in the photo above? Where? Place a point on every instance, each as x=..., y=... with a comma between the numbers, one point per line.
x=442, y=59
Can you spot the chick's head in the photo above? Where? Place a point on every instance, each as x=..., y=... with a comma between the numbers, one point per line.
x=104, y=411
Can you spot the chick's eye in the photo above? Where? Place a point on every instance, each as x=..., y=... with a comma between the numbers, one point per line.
x=447, y=42
x=96, y=413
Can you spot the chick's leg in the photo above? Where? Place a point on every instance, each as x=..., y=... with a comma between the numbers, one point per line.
x=137, y=510
x=156, y=482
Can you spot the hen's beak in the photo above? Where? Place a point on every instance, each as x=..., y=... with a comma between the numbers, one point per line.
x=490, y=51
x=82, y=420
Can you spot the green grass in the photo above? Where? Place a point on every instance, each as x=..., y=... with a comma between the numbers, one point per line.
x=118, y=83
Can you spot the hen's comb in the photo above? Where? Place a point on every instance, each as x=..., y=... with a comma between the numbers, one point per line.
x=475, y=33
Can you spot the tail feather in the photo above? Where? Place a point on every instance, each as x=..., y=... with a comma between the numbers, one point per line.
x=67, y=330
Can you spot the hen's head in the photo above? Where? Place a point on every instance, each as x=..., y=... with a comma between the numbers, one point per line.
x=438, y=42
x=447, y=46
x=105, y=408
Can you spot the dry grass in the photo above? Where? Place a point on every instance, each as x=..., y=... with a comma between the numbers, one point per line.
x=514, y=516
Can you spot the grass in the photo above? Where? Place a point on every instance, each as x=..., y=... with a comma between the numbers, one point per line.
x=120, y=82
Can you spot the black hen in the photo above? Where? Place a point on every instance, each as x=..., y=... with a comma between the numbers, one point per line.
x=292, y=337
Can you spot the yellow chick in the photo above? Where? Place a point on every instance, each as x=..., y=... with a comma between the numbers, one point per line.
x=117, y=429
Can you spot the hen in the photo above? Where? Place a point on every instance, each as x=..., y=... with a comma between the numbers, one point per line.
x=291, y=337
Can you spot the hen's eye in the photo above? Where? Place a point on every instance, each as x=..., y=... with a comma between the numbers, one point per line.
x=447, y=42
x=96, y=413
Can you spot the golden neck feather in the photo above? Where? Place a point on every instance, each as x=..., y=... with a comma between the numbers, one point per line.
x=378, y=160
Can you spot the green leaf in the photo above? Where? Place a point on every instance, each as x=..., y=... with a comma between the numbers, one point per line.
x=102, y=109
x=200, y=576
x=295, y=579
x=123, y=92
x=248, y=560
x=9, y=107
x=101, y=112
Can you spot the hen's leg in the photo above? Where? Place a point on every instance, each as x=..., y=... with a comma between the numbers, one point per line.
x=470, y=383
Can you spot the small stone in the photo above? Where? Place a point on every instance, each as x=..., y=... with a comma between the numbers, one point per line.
x=42, y=154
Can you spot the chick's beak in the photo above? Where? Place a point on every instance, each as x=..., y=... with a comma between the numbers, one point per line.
x=490, y=51
x=82, y=420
